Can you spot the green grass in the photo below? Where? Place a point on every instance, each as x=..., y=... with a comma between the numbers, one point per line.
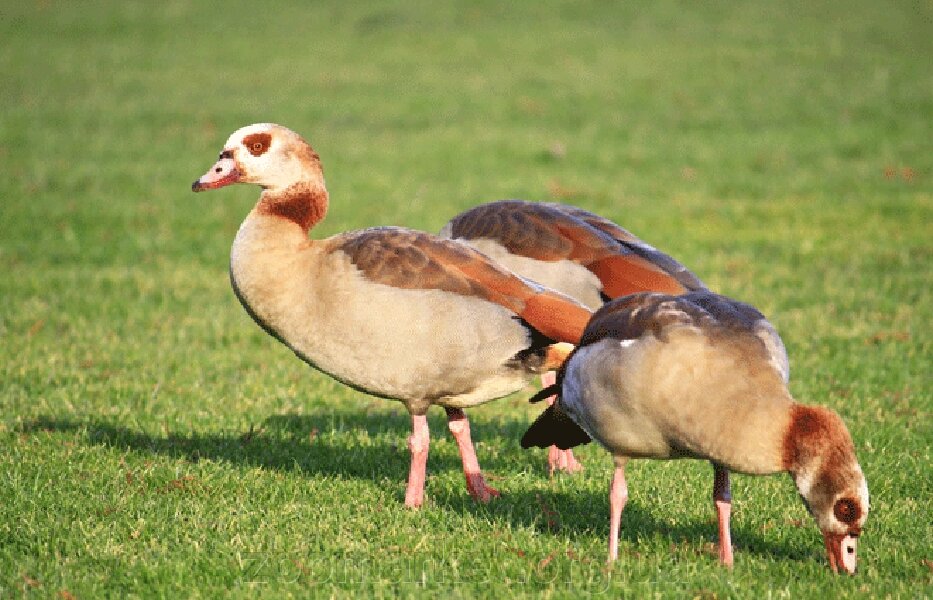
x=154, y=442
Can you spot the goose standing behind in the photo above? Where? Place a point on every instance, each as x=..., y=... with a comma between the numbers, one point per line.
x=573, y=251
x=703, y=376
x=393, y=312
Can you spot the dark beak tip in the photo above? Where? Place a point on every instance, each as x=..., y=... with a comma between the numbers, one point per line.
x=196, y=186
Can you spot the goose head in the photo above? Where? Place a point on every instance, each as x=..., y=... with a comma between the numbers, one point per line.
x=264, y=154
x=830, y=481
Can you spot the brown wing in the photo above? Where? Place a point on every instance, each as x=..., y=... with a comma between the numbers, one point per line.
x=729, y=313
x=720, y=317
x=409, y=259
x=633, y=316
x=733, y=316
x=524, y=228
x=551, y=232
x=597, y=222
x=662, y=265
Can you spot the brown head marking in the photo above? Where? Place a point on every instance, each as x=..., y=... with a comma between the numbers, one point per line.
x=257, y=143
x=847, y=510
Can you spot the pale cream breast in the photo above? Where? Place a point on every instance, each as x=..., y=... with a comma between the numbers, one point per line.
x=418, y=345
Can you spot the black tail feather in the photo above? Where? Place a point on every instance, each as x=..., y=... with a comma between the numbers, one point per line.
x=554, y=428
x=551, y=390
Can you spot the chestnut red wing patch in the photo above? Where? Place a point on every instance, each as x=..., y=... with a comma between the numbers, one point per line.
x=556, y=317
x=622, y=275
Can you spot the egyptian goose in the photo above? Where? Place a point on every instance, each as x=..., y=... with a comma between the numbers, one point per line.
x=703, y=376
x=393, y=312
x=571, y=250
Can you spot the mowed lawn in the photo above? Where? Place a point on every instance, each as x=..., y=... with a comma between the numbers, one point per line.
x=155, y=443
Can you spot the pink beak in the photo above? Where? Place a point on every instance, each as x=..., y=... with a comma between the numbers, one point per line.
x=840, y=548
x=224, y=172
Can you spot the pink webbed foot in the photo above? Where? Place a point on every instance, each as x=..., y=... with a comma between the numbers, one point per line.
x=479, y=489
x=557, y=459
x=562, y=460
x=476, y=484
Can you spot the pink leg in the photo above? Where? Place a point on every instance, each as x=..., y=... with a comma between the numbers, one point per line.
x=460, y=428
x=618, y=496
x=557, y=459
x=418, y=443
x=722, y=497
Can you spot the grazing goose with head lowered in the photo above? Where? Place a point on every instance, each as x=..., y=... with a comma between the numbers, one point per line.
x=703, y=376
x=573, y=251
x=393, y=312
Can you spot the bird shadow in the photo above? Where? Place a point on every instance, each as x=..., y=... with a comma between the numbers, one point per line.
x=370, y=445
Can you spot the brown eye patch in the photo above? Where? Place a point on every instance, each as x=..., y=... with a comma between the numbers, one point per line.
x=847, y=510
x=257, y=143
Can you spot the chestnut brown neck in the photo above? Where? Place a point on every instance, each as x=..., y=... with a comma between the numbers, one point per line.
x=302, y=203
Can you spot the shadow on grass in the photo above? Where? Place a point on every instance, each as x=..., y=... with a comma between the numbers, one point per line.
x=372, y=444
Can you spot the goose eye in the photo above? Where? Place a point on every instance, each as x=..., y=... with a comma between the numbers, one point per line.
x=257, y=143
x=847, y=510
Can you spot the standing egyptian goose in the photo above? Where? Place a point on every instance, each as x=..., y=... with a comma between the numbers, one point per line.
x=573, y=251
x=392, y=312
x=703, y=376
